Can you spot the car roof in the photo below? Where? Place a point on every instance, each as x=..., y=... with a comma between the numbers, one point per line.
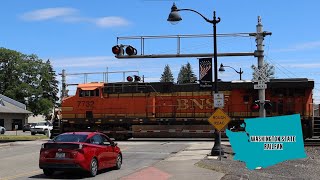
x=89, y=134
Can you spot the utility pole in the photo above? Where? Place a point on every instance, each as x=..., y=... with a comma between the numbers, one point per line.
x=64, y=85
x=259, y=53
x=262, y=92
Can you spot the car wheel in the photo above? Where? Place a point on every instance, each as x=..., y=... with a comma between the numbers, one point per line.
x=48, y=172
x=33, y=133
x=118, y=162
x=24, y=130
x=93, y=167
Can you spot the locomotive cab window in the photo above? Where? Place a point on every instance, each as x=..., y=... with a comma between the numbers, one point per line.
x=89, y=93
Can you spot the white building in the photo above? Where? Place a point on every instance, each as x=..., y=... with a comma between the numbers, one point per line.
x=12, y=113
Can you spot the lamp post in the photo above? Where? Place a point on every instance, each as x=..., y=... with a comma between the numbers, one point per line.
x=221, y=69
x=174, y=18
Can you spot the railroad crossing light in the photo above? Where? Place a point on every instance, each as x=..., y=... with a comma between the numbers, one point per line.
x=117, y=50
x=267, y=105
x=137, y=78
x=129, y=79
x=255, y=106
x=131, y=51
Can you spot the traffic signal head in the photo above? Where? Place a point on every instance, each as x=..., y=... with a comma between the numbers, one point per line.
x=131, y=51
x=117, y=50
x=129, y=79
x=255, y=106
x=137, y=78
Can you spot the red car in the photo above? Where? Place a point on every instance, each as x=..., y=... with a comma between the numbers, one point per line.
x=89, y=151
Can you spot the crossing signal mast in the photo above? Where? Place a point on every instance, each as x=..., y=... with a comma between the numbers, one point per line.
x=175, y=17
x=122, y=51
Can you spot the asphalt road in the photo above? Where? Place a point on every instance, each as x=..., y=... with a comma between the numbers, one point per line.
x=142, y=160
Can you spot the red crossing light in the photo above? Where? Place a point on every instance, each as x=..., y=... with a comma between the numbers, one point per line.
x=117, y=50
x=255, y=106
x=137, y=78
x=129, y=79
x=131, y=51
x=267, y=105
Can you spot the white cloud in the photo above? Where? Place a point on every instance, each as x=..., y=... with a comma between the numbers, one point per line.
x=70, y=15
x=300, y=47
x=111, y=21
x=48, y=13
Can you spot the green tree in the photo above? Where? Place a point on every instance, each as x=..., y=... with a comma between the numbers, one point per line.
x=29, y=80
x=167, y=75
x=186, y=74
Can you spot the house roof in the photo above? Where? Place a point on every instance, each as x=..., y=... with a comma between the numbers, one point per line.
x=8, y=105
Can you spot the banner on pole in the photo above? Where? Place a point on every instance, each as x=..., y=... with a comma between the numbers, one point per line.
x=205, y=72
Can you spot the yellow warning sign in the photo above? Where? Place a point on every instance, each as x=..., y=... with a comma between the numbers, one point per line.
x=219, y=119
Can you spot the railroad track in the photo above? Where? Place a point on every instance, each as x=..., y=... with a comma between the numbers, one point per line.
x=312, y=143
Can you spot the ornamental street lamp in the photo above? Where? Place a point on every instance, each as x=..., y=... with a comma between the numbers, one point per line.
x=174, y=18
x=221, y=69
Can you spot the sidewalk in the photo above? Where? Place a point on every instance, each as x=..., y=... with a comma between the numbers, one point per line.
x=181, y=166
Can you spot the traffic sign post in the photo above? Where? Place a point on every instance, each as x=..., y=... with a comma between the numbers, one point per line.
x=16, y=128
x=219, y=120
x=218, y=100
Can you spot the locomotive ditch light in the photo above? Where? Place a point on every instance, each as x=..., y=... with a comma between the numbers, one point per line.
x=129, y=79
x=137, y=78
x=131, y=51
x=117, y=50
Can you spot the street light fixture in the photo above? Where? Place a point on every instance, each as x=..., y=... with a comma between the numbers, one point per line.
x=174, y=18
x=221, y=69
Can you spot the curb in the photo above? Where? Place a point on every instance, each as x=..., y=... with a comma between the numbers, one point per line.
x=5, y=144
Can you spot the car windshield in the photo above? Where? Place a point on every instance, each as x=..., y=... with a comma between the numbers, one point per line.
x=71, y=138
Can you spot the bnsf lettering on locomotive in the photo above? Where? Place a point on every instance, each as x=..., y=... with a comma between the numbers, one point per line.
x=86, y=104
x=184, y=104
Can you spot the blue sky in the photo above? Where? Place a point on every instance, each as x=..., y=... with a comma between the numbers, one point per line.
x=78, y=35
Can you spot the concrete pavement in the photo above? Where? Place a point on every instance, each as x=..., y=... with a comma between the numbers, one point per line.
x=180, y=166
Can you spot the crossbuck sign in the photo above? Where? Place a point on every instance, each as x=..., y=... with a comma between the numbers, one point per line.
x=260, y=74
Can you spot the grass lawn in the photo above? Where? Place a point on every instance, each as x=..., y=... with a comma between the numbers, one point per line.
x=21, y=137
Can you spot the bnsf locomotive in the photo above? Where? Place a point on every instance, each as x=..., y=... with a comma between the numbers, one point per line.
x=135, y=109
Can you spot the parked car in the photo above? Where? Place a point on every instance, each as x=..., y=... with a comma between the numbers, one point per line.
x=41, y=128
x=88, y=151
x=2, y=130
x=27, y=127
